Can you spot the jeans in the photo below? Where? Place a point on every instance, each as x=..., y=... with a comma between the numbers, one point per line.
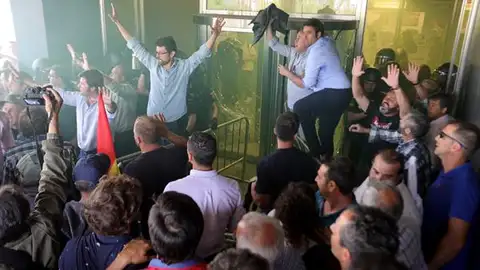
x=84, y=154
x=327, y=106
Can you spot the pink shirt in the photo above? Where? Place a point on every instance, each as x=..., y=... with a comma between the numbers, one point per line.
x=221, y=203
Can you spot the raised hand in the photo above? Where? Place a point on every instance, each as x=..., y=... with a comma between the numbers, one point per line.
x=357, y=68
x=393, y=73
x=283, y=70
x=217, y=26
x=53, y=102
x=107, y=99
x=113, y=15
x=85, y=65
x=412, y=73
x=162, y=129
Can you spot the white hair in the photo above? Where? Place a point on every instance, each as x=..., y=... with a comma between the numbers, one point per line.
x=261, y=235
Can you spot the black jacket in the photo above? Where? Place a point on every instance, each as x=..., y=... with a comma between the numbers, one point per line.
x=277, y=17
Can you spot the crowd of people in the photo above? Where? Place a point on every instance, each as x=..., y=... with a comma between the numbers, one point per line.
x=404, y=197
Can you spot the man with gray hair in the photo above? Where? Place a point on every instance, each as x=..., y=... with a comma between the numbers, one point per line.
x=387, y=198
x=452, y=202
x=264, y=236
x=417, y=167
x=363, y=230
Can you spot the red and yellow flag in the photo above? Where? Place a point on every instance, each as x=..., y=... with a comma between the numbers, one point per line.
x=105, y=139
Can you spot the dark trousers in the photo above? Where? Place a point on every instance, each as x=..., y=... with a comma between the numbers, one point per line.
x=327, y=106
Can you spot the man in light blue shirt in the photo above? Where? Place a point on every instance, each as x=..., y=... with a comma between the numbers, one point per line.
x=90, y=84
x=168, y=74
x=324, y=76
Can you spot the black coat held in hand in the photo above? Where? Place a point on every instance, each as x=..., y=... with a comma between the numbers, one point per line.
x=277, y=17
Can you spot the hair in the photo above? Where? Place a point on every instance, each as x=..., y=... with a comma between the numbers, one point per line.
x=203, y=148
x=467, y=133
x=384, y=196
x=286, y=126
x=14, y=209
x=445, y=101
x=113, y=205
x=94, y=78
x=316, y=24
x=238, y=259
x=146, y=129
x=167, y=42
x=260, y=234
x=392, y=157
x=371, y=231
x=175, y=225
x=296, y=209
x=341, y=171
x=369, y=261
x=417, y=123
x=38, y=124
x=64, y=74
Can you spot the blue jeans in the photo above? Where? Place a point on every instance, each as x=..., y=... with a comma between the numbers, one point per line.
x=84, y=154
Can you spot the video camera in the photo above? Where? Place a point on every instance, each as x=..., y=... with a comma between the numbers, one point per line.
x=34, y=95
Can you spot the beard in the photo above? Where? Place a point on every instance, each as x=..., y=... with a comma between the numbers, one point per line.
x=371, y=182
x=384, y=109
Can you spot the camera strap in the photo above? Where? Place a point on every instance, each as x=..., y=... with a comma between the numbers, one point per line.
x=37, y=145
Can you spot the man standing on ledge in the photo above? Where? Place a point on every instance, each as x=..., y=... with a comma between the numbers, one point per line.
x=169, y=75
x=325, y=76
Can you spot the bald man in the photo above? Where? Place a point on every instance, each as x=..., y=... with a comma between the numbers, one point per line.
x=386, y=197
x=157, y=165
x=264, y=236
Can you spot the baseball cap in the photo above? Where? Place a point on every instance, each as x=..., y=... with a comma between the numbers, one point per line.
x=89, y=170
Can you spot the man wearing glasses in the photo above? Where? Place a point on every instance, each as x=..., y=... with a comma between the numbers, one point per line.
x=452, y=202
x=168, y=74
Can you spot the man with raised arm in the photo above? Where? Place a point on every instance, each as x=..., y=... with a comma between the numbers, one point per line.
x=168, y=74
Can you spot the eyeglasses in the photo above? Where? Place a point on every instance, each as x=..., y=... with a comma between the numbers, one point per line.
x=445, y=135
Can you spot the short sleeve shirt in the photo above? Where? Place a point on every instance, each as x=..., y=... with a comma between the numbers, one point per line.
x=455, y=194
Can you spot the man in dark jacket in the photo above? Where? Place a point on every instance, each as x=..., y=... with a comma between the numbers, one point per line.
x=35, y=233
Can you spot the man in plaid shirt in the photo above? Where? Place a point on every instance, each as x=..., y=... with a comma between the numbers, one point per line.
x=413, y=126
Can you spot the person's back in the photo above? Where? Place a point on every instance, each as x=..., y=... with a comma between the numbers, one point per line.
x=218, y=197
x=282, y=167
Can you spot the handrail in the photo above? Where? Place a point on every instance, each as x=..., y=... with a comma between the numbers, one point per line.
x=238, y=156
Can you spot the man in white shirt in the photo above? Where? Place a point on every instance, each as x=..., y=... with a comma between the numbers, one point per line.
x=218, y=197
x=90, y=84
x=387, y=167
x=387, y=198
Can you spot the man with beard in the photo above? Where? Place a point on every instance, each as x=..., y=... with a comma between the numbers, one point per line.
x=384, y=116
x=168, y=74
x=388, y=167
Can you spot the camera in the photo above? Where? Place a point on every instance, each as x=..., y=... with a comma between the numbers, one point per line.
x=34, y=95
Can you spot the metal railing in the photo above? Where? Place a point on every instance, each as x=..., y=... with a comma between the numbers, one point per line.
x=229, y=145
x=230, y=151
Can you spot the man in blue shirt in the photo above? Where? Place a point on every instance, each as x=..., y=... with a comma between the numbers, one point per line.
x=451, y=204
x=324, y=76
x=168, y=74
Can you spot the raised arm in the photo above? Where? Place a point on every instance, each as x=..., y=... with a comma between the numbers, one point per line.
x=163, y=132
x=133, y=44
x=357, y=89
x=275, y=45
x=205, y=50
x=393, y=73
x=53, y=184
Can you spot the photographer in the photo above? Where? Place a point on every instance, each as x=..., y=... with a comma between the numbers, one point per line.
x=31, y=239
